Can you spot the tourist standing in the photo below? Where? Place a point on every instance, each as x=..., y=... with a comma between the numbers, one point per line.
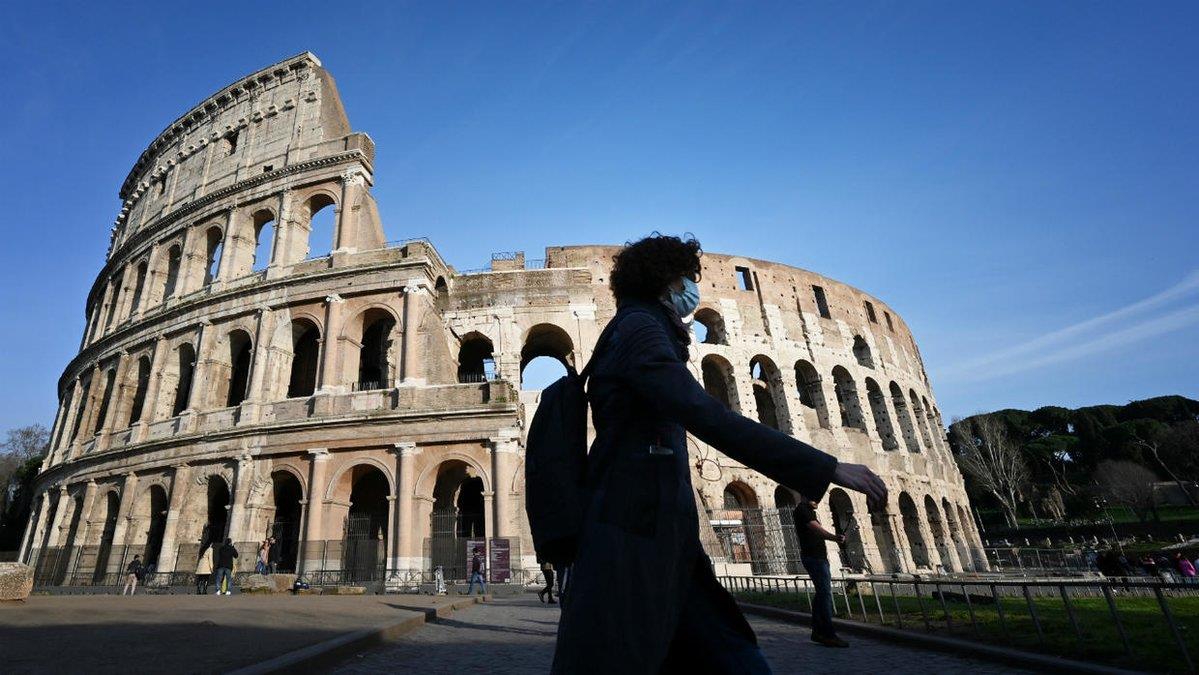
x=814, y=555
x=1185, y=568
x=204, y=569
x=264, y=553
x=642, y=596
x=476, y=572
x=439, y=580
x=224, y=568
x=548, y=570
x=133, y=574
x=273, y=557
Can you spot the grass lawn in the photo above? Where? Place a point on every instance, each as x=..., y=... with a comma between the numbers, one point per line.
x=1152, y=644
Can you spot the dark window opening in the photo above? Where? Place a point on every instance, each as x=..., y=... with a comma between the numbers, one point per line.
x=267, y=168
x=187, y=364
x=139, y=395
x=374, y=365
x=870, y=312
x=890, y=326
x=230, y=141
x=821, y=302
x=305, y=359
x=745, y=280
x=240, y=351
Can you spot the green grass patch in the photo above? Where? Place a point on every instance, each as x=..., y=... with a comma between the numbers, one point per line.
x=1153, y=646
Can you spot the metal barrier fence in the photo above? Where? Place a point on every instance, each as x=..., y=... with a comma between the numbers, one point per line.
x=881, y=599
x=1038, y=561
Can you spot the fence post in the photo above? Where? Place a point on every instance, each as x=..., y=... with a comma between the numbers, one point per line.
x=945, y=607
x=970, y=608
x=894, y=599
x=1032, y=611
x=999, y=610
x=1070, y=611
x=878, y=604
x=1111, y=607
x=928, y=626
x=1182, y=645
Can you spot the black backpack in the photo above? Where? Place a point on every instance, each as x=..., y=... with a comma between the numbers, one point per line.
x=556, y=464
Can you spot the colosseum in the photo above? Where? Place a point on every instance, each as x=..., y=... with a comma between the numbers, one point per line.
x=259, y=360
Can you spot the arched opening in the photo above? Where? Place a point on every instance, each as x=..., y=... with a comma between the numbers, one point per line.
x=719, y=382
x=861, y=352
x=67, y=552
x=185, y=359
x=139, y=287
x=114, y=297
x=85, y=392
x=112, y=507
x=215, y=525
x=240, y=350
x=976, y=553
x=150, y=518
x=365, y=548
x=740, y=527
x=264, y=239
x=322, y=225
x=441, y=292
x=768, y=393
x=911, y=528
x=476, y=362
x=884, y=538
x=784, y=504
x=847, y=400
x=285, y=528
x=374, y=359
x=547, y=353
x=139, y=393
x=940, y=540
x=458, y=516
x=709, y=327
x=936, y=432
x=905, y=420
x=957, y=534
x=811, y=396
x=212, y=256
x=305, y=358
x=110, y=379
x=882, y=420
x=921, y=421
x=853, y=555
x=174, y=260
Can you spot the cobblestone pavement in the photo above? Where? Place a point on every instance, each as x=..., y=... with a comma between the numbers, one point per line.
x=516, y=637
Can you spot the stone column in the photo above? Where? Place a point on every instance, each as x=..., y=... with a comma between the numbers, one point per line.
x=43, y=514
x=174, y=509
x=489, y=516
x=392, y=536
x=412, y=355
x=119, y=534
x=310, y=558
x=30, y=525
x=345, y=239
x=66, y=437
x=150, y=405
x=89, y=499
x=116, y=403
x=150, y=281
x=505, y=453
x=409, y=559
x=199, y=384
x=250, y=407
x=241, y=489
x=94, y=390
x=229, y=249
x=64, y=498
x=331, y=345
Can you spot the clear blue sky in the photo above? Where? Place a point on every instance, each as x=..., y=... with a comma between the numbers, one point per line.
x=1019, y=180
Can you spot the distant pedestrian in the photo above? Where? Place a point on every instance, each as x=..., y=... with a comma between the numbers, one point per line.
x=439, y=580
x=476, y=572
x=274, y=556
x=1184, y=567
x=204, y=569
x=264, y=554
x=548, y=570
x=134, y=572
x=814, y=556
x=224, y=568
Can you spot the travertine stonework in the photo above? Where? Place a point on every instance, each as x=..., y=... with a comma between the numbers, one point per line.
x=230, y=377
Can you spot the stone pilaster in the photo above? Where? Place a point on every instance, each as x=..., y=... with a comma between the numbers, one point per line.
x=120, y=533
x=314, y=535
x=416, y=296
x=174, y=510
x=408, y=558
x=331, y=345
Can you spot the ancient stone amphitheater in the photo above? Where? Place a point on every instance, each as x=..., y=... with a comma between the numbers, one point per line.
x=259, y=360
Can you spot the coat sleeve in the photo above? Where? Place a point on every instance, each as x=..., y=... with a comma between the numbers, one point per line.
x=649, y=366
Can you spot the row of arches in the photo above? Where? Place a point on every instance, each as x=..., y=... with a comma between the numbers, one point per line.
x=915, y=416
x=709, y=328
x=246, y=244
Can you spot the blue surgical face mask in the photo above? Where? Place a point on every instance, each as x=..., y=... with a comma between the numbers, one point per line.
x=686, y=300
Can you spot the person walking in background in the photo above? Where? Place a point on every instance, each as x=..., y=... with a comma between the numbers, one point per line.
x=1185, y=568
x=476, y=572
x=273, y=556
x=204, y=569
x=133, y=574
x=548, y=570
x=814, y=555
x=224, y=568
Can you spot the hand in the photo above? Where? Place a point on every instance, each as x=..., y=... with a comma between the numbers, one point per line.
x=840, y=539
x=859, y=478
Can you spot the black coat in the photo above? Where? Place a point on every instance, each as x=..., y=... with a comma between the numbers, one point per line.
x=225, y=555
x=639, y=554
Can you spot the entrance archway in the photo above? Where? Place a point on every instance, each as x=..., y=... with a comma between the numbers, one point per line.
x=365, y=548
x=911, y=528
x=109, y=527
x=285, y=528
x=853, y=553
x=458, y=516
x=884, y=538
x=218, y=512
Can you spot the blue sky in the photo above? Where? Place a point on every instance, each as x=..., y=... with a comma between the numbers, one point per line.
x=1019, y=180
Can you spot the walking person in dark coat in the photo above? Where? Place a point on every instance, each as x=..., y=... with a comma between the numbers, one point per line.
x=643, y=596
x=224, y=568
x=814, y=556
x=548, y=571
x=274, y=555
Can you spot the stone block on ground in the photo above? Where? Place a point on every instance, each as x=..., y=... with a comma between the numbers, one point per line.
x=256, y=583
x=344, y=590
x=281, y=583
x=16, y=581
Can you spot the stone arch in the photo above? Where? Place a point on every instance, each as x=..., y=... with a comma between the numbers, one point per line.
x=476, y=358
x=441, y=293
x=976, y=552
x=218, y=504
x=111, y=502
x=230, y=370
x=719, y=381
x=957, y=534
x=85, y=392
x=905, y=420
x=853, y=552
x=141, y=382
x=861, y=352
x=745, y=541
x=374, y=341
x=313, y=222
x=264, y=224
x=921, y=421
x=426, y=479
x=884, y=538
x=287, y=493
x=343, y=480
x=709, y=327
x=847, y=399
x=769, y=396
x=139, y=286
x=114, y=297
x=148, y=522
x=106, y=399
x=458, y=513
x=936, y=432
x=213, y=244
x=882, y=420
x=305, y=357
x=184, y=369
x=174, y=264
x=784, y=498
x=911, y=528
x=937, y=527
x=542, y=341
x=811, y=395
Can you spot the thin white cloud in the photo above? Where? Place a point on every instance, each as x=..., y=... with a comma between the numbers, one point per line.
x=1094, y=336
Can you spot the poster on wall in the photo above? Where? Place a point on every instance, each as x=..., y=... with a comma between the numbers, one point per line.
x=476, y=547
x=500, y=568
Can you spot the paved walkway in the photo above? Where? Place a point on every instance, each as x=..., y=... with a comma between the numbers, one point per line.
x=516, y=637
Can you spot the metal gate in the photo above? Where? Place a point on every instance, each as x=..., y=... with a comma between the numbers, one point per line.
x=364, y=550
x=447, y=545
x=287, y=538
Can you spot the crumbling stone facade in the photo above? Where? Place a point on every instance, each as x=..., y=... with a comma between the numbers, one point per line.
x=232, y=381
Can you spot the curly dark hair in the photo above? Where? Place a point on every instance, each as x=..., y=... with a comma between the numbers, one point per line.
x=644, y=268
